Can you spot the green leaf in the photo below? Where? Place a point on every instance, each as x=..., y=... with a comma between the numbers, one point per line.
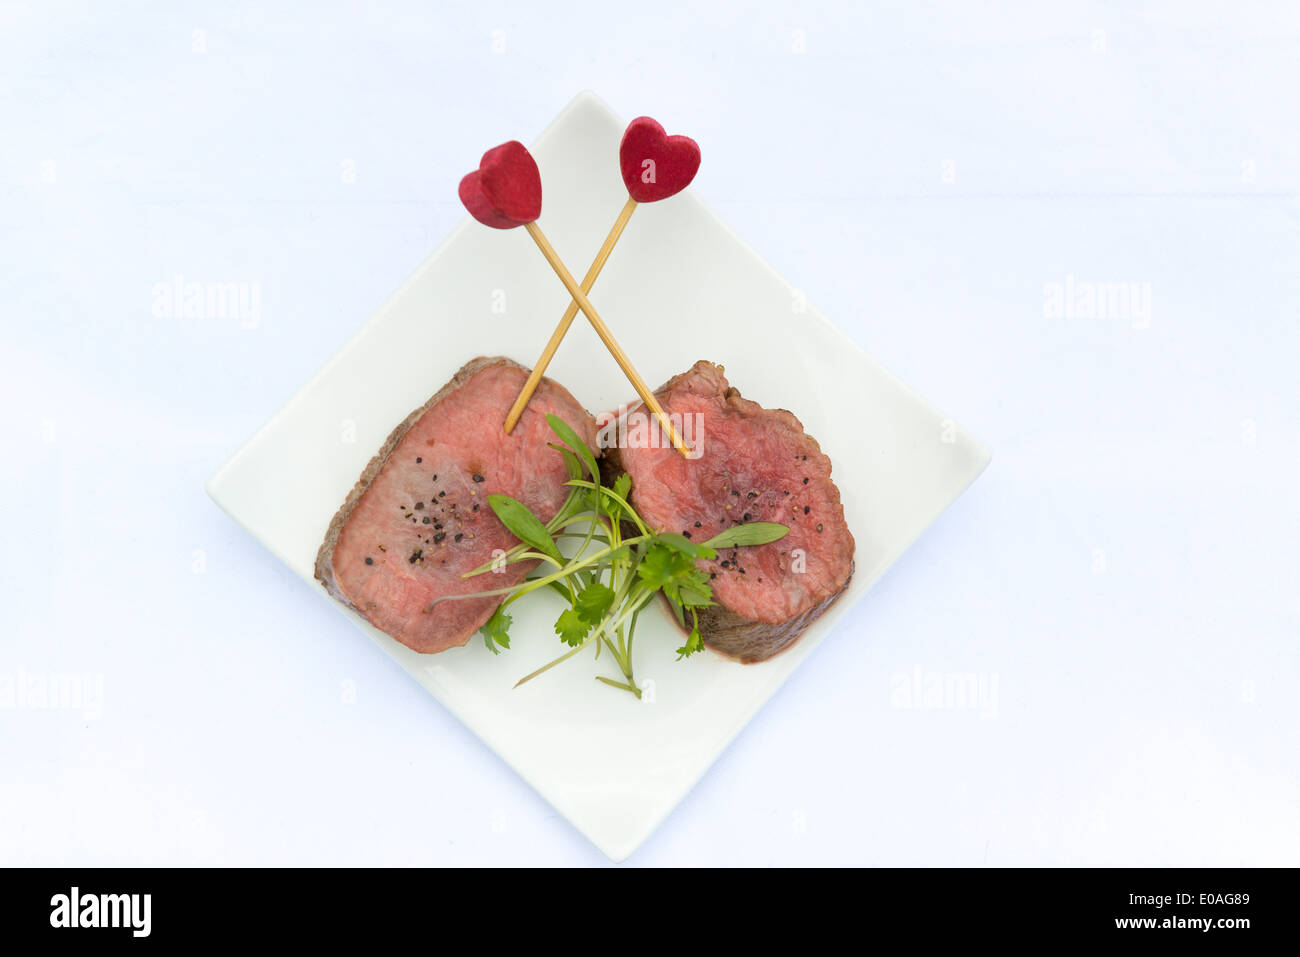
x=672, y=571
x=623, y=485
x=619, y=505
x=571, y=628
x=494, y=631
x=619, y=554
x=613, y=507
x=690, y=589
x=662, y=564
x=570, y=438
x=751, y=533
x=570, y=460
x=526, y=526
x=594, y=601
x=679, y=612
x=693, y=644
x=684, y=545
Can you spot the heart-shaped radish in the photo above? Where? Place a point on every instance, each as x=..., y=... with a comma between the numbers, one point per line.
x=654, y=164
x=506, y=189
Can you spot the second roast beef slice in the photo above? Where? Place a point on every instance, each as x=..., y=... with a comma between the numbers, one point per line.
x=755, y=464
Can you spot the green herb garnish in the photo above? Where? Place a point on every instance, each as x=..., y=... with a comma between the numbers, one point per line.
x=611, y=576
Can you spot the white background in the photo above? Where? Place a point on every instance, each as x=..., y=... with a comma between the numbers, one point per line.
x=1122, y=580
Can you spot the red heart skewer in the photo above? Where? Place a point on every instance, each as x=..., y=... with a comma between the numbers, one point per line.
x=505, y=192
x=654, y=166
x=506, y=189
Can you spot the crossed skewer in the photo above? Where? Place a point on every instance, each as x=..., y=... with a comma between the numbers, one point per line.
x=506, y=192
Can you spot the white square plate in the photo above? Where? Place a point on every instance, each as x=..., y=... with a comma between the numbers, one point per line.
x=678, y=288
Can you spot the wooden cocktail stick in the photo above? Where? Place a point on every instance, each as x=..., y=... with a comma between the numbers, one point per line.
x=589, y=280
x=606, y=336
x=505, y=192
x=654, y=166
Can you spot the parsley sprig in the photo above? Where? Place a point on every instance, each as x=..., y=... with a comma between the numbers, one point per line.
x=619, y=565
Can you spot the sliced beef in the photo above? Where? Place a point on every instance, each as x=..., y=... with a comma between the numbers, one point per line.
x=754, y=464
x=418, y=517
